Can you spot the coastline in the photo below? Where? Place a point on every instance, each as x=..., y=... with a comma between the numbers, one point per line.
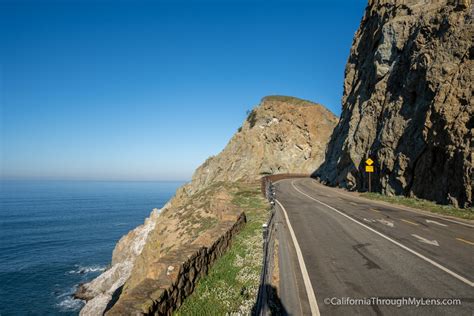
x=201, y=209
x=63, y=233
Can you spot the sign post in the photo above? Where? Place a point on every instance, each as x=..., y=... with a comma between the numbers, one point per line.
x=369, y=169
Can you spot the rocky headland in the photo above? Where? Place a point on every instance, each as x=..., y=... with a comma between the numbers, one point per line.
x=278, y=136
x=407, y=104
x=159, y=261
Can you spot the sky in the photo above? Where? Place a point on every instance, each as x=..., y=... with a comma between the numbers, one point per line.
x=147, y=90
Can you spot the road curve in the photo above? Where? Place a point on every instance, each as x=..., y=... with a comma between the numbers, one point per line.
x=355, y=248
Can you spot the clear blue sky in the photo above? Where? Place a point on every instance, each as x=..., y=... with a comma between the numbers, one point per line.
x=148, y=90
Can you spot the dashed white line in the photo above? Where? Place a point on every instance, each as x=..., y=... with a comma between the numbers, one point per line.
x=313, y=303
x=435, y=222
x=419, y=255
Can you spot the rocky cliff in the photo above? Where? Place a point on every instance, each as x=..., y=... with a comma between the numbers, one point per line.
x=282, y=134
x=407, y=102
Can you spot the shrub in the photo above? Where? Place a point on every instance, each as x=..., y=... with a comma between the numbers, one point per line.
x=252, y=118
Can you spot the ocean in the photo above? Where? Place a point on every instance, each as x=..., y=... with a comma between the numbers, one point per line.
x=57, y=234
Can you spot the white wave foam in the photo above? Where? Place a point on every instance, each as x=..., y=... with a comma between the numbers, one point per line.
x=89, y=269
x=69, y=303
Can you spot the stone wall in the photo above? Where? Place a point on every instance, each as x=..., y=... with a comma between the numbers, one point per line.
x=180, y=271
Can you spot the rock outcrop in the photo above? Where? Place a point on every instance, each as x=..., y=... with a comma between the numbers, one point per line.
x=407, y=103
x=283, y=134
x=99, y=292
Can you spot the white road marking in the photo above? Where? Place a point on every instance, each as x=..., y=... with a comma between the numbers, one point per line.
x=385, y=222
x=419, y=255
x=399, y=207
x=313, y=303
x=435, y=222
x=426, y=241
x=353, y=203
x=369, y=220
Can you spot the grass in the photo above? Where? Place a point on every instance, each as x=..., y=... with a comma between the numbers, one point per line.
x=232, y=283
x=423, y=205
x=289, y=99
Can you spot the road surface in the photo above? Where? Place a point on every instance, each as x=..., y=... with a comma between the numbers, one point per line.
x=335, y=247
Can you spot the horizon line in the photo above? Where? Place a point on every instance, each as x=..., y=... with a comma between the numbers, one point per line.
x=2, y=179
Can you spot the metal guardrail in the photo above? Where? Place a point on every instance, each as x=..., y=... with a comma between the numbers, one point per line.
x=262, y=307
x=281, y=176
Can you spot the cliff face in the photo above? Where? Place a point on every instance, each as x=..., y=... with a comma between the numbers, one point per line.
x=283, y=134
x=407, y=102
x=99, y=291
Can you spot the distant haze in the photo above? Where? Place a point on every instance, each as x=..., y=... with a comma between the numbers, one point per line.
x=148, y=90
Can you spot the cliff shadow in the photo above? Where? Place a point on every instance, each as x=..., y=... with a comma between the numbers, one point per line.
x=114, y=299
x=272, y=301
x=343, y=174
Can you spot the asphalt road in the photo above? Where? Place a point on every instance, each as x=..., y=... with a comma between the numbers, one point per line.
x=347, y=248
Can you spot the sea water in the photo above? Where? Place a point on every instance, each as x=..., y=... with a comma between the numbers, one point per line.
x=57, y=234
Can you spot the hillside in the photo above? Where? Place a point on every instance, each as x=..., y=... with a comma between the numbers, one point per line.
x=282, y=134
x=407, y=103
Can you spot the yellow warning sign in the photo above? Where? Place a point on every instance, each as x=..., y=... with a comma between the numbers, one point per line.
x=369, y=168
x=369, y=162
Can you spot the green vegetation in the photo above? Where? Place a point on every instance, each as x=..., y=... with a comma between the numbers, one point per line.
x=232, y=283
x=252, y=118
x=205, y=224
x=288, y=99
x=423, y=205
